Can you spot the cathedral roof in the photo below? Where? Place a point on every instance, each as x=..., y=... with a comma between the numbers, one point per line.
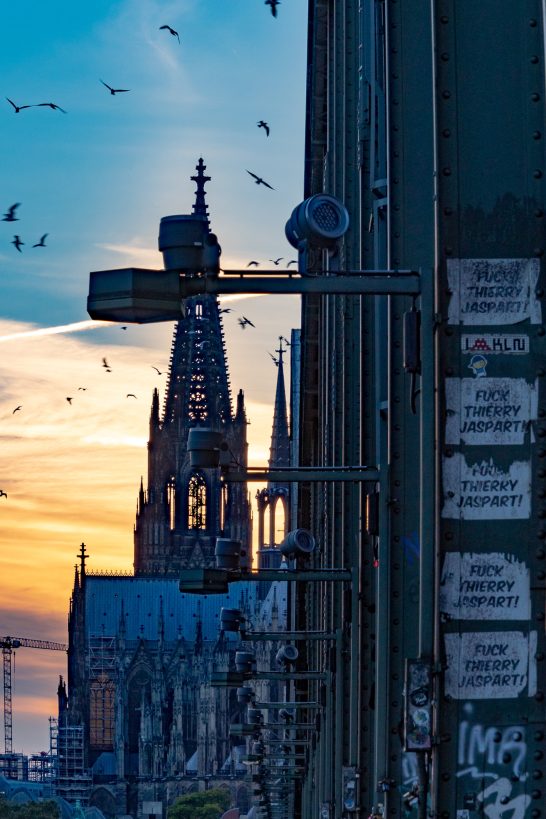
x=143, y=598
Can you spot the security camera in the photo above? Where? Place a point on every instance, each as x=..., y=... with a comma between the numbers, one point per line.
x=298, y=543
x=245, y=661
x=287, y=655
x=321, y=220
x=227, y=552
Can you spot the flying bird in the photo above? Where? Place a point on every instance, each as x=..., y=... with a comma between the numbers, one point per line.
x=264, y=125
x=155, y=368
x=17, y=409
x=253, y=264
x=285, y=341
x=41, y=243
x=17, y=107
x=243, y=321
x=226, y=310
x=131, y=395
x=52, y=105
x=260, y=181
x=123, y=328
x=106, y=365
x=273, y=4
x=3, y=494
x=69, y=399
x=276, y=261
x=114, y=90
x=17, y=242
x=172, y=31
x=292, y=261
x=83, y=388
x=9, y=215
x=276, y=360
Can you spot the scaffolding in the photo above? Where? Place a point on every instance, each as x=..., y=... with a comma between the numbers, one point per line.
x=72, y=781
x=14, y=766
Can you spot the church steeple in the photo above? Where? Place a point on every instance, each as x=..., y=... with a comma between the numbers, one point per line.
x=184, y=510
x=280, y=439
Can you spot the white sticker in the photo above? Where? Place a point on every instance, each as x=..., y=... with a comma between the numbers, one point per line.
x=493, y=291
x=485, y=586
x=490, y=665
x=495, y=344
x=484, y=491
x=489, y=410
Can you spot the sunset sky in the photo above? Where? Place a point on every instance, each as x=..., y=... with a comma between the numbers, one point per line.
x=97, y=180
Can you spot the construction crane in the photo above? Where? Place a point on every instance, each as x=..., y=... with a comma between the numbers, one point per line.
x=8, y=645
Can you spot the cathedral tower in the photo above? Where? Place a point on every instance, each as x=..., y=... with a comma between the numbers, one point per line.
x=183, y=510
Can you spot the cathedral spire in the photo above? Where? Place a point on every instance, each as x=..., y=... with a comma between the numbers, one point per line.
x=83, y=557
x=280, y=439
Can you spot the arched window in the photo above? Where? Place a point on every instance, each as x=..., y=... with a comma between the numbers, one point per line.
x=101, y=712
x=197, y=502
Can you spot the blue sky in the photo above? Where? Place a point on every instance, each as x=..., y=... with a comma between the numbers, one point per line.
x=97, y=180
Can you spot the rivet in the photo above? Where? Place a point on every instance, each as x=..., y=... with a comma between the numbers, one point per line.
x=535, y=813
x=541, y=432
x=449, y=251
x=449, y=371
x=541, y=331
x=538, y=755
x=533, y=23
x=538, y=251
x=448, y=211
x=541, y=372
x=540, y=654
x=446, y=133
x=536, y=135
x=539, y=696
x=542, y=412
x=536, y=794
x=541, y=534
x=446, y=777
x=448, y=452
x=540, y=576
x=448, y=535
x=541, y=493
x=537, y=173
x=444, y=56
x=537, y=774
x=506, y=758
x=540, y=616
x=538, y=736
x=534, y=59
x=535, y=97
x=539, y=554
x=446, y=95
x=449, y=331
x=446, y=171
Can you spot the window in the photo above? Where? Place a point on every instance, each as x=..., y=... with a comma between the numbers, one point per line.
x=101, y=712
x=197, y=502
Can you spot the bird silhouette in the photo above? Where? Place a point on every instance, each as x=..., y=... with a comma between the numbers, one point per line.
x=285, y=341
x=243, y=321
x=9, y=215
x=226, y=310
x=17, y=107
x=253, y=264
x=265, y=126
x=83, y=388
x=106, y=365
x=172, y=31
x=51, y=105
x=276, y=360
x=155, y=368
x=41, y=243
x=259, y=180
x=131, y=395
x=17, y=242
x=292, y=261
x=17, y=409
x=276, y=261
x=123, y=328
x=3, y=494
x=69, y=399
x=114, y=90
x=273, y=4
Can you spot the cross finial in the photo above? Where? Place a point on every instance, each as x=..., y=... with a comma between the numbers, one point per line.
x=280, y=350
x=200, y=206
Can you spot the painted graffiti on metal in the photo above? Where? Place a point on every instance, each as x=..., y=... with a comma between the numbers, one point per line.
x=486, y=586
x=483, y=490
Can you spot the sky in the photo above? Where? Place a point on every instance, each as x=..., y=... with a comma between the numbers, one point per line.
x=97, y=179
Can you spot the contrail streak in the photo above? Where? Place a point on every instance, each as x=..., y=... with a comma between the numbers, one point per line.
x=78, y=326
x=75, y=327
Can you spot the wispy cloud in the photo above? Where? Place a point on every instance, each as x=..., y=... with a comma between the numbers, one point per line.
x=75, y=327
